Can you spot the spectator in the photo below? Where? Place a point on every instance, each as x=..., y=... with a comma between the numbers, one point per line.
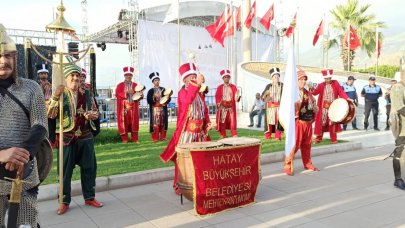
x=257, y=110
x=371, y=93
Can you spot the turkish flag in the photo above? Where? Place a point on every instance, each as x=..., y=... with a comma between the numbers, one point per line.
x=379, y=48
x=319, y=32
x=290, y=29
x=251, y=15
x=216, y=30
x=354, y=39
x=268, y=17
x=212, y=28
x=229, y=27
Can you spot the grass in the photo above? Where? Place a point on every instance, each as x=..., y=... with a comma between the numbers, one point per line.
x=113, y=157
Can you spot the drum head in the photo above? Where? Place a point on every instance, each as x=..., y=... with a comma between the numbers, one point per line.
x=338, y=110
x=136, y=96
x=167, y=92
x=44, y=159
x=237, y=141
x=200, y=145
x=139, y=88
x=164, y=100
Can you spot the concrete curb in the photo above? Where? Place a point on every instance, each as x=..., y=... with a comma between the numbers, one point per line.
x=49, y=192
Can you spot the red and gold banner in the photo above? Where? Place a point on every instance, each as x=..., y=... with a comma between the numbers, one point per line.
x=225, y=177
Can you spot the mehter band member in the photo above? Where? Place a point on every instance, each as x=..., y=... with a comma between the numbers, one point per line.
x=157, y=111
x=225, y=98
x=193, y=121
x=305, y=110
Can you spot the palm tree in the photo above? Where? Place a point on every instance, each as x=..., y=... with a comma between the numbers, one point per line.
x=355, y=15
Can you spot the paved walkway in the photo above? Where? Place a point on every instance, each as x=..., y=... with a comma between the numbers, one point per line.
x=353, y=189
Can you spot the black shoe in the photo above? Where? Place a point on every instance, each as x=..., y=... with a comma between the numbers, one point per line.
x=355, y=128
x=250, y=125
x=376, y=129
x=344, y=129
x=387, y=129
x=258, y=126
x=399, y=183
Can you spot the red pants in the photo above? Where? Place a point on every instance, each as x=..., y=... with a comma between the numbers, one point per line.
x=158, y=135
x=222, y=126
x=303, y=141
x=134, y=137
x=267, y=134
x=332, y=134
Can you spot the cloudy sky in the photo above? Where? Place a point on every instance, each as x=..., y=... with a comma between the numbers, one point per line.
x=35, y=15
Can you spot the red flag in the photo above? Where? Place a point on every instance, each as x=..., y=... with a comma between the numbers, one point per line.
x=379, y=48
x=318, y=33
x=354, y=39
x=217, y=29
x=251, y=15
x=290, y=29
x=212, y=28
x=230, y=27
x=268, y=17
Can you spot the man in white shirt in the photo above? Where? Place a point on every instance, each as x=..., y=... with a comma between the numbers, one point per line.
x=257, y=109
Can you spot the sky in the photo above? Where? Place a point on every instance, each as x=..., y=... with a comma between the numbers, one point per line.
x=35, y=15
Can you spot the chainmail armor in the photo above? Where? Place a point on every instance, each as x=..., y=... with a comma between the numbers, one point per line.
x=14, y=129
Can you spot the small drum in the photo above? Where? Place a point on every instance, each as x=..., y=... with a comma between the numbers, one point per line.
x=238, y=141
x=137, y=96
x=164, y=100
x=237, y=96
x=204, y=88
x=185, y=165
x=341, y=111
x=139, y=88
x=167, y=92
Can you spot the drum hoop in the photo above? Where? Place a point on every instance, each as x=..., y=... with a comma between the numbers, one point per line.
x=228, y=141
x=142, y=86
x=215, y=144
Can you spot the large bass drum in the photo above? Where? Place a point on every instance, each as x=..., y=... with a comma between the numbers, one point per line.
x=342, y=111
x=185, y=164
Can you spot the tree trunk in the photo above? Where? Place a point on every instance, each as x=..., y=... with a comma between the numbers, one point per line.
x=344, y=52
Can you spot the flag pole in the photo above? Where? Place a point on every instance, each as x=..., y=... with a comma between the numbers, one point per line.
x=235, y=48
x=178, y=42
x=376, y=45
x=275, y=46
x=227, y=44
x=256, y=31
x=323, y=43
x=348, y=45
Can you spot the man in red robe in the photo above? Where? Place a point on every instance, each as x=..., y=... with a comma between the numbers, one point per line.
x=127, y=109
x=328, y=91
x=226, y=103
x=193, y=121
x=305, y=110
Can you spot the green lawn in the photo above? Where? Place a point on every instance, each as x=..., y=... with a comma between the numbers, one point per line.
x=113, y=157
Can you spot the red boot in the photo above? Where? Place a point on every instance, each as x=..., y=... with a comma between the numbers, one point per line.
x=124, y=138
x=63, y=208
x=134, y=137
x=163, y=135
x=94, y=203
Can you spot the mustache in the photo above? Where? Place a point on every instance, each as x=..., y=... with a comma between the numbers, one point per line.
x=5, y=66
